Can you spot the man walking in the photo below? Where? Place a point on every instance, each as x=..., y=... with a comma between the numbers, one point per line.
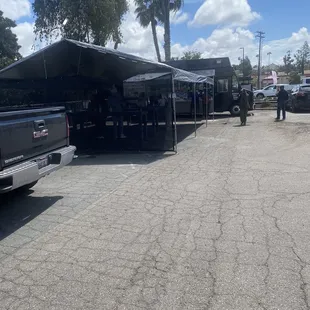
x=244, y=107
x=282, y=99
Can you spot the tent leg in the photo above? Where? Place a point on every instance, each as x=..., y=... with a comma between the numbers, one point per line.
x=44, y=63
x=213, y=99
x=175, y=142
x=207, y=103
x=79, y=62
x=195, y=109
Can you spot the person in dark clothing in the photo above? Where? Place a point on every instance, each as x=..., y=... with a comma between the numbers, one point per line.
x=282, y=99
x=100, y=110
x=116, y=104
x=194, y=96
x=244, y=107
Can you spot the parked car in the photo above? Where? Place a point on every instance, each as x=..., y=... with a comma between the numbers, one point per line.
x=33, y=144
x=271, y=90
x=300, y=98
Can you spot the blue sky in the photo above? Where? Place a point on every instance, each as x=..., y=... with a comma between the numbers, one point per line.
x=213, y=27
x=276, y=20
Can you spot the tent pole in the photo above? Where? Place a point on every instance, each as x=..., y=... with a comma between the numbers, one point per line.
x=213, y=99
x=175, y=144
x=44, y=63
x=207, y=102
x=79, y=63
x=195, y=109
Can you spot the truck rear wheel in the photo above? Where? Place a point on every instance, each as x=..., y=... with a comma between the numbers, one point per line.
x=234, y=110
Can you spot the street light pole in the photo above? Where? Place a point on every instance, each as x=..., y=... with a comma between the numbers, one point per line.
x=269, y=53
x=242, y=48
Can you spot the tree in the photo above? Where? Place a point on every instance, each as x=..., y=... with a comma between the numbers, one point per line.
x=8, y=42
x=146, y=13
x=158, y=11
x=294, y=77
x=91, y=21
x=302, y=57
x=246, y=69
x=288, y=62
x=191, y=55
x=164, y=7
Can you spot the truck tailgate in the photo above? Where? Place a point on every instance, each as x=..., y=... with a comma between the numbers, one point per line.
x=30, y=133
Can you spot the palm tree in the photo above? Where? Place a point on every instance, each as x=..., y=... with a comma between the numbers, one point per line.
x=163, y=14
x=146, y=13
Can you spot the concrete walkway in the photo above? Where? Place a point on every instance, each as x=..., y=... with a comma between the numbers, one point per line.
x=225, y=224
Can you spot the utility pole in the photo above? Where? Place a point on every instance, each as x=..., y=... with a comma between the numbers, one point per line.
x=260, y=35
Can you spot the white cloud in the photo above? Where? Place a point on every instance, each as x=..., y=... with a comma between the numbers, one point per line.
x=138, y=40
x=278, y=48
x=224, y=12
x=222, y=41
x=226, y=42
x=26, y=37
x=179, y=17
x=15, y=9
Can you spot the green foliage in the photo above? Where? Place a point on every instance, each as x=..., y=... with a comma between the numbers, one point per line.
x=246, y=69
x=158, y=12
x=191, y=55
x=288, y=62
x=294, y=78
x=92, y=21
x=302, y=57
x=8, y=42
x=145, y=12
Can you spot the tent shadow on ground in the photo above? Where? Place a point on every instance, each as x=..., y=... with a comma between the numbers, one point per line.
x=219, y=116
x=161, y=140
x=187, y=130
x=92, y=151
x=125, y=158
x=17, y=209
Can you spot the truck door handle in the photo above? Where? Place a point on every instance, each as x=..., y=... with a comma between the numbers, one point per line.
x=39, y=124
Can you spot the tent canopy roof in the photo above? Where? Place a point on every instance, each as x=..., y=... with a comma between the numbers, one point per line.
x=73, y=58
x=178, y=75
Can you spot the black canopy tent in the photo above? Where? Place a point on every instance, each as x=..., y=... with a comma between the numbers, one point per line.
x=69, y=58
x=73, y=58
x=177, y=75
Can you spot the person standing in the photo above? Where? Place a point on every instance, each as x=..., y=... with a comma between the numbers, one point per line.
x=116, y=104
x=244, y=107
x=282, y=99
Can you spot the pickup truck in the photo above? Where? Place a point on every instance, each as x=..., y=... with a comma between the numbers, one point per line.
x=33, y=144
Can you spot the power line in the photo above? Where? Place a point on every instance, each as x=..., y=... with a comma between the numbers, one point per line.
x=260, y=35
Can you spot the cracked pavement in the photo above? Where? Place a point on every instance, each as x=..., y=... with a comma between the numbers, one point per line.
x=225, y=224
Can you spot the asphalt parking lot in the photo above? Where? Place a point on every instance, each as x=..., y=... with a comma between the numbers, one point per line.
x=224, y=224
